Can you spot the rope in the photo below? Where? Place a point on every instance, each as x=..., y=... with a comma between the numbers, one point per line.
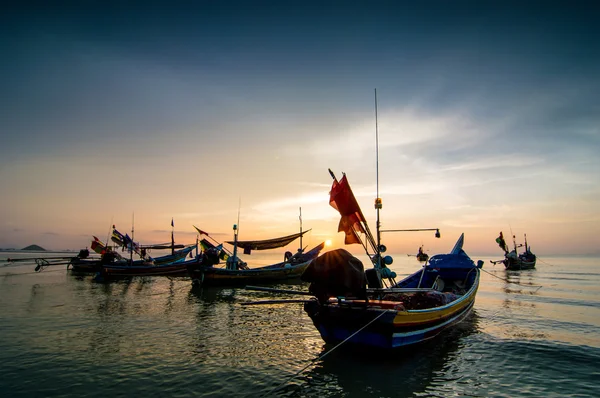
x=514, y=283
x=29, y=273
x=552, y=265
x=324, y=355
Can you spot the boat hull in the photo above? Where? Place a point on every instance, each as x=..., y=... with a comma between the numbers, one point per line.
x=385, y=325
x=138, y=267
x=212, y=276
x=208, y=275
x=124, y=271
x=516, y=264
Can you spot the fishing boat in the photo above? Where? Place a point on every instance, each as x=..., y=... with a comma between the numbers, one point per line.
x=172, y=268
x=369, y=308
x=111, y=263
x=205, y=270
x=421, y=255
x=112, y=259
x=513, y=260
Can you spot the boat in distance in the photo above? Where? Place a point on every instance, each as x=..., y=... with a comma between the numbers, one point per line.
x=111, y=263
x=513, y=260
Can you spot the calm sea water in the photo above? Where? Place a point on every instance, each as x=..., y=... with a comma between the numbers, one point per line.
x=63, y=335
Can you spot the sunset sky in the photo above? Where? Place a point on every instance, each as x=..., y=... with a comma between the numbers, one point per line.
x=488, y=120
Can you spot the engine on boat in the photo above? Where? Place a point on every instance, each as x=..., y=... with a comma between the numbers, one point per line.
x=210, y=257
x=336, y=273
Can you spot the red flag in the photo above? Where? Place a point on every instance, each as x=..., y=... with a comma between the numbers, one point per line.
x=342, y=199
x=201, y=232
x=98, y=246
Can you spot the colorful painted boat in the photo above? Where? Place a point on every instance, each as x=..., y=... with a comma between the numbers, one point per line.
x=416, y=309
x=369, y=308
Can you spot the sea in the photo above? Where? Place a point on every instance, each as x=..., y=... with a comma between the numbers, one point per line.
x=533, y=333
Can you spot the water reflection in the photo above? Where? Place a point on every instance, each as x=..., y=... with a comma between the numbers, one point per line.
x=358, y=372
x=521, y=308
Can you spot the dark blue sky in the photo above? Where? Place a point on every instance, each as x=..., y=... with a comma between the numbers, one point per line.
x=480, y=83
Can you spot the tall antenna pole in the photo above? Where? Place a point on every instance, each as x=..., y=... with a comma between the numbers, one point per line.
x=378, y=203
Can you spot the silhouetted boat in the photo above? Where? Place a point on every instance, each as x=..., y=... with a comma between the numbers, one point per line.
x=204, y=270
x=111, y=263
x=514, y=260
x=421, y=255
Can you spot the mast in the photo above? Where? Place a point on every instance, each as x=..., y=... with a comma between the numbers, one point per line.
x=231, y=265
x=172, y=237
x=300, y=217
x=132, y=237
x=234, y=260
x=378, y=203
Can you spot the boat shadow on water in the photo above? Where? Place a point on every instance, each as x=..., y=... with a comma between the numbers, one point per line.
x=406, y=371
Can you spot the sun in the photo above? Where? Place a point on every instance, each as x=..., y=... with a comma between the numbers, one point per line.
x=328, y=242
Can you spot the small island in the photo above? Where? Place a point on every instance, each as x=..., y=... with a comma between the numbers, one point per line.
x=34, y=248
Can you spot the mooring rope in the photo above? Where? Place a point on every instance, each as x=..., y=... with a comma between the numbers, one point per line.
x=514, y=283
x=312, y=362
x=552, y=265
x=29, y=273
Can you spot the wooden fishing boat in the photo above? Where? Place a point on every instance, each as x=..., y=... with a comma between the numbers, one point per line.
x=291, y=268
x=175, y=268
x=117, y=263
x=513, y=260
x=204, y=270
x=369, y=308
x=525, y=260
x=416, y=309
x=421, y=255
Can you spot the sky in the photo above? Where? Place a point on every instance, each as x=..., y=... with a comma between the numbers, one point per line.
x=223, y=112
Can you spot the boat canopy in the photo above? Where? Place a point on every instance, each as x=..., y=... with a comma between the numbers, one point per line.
x=268, y=243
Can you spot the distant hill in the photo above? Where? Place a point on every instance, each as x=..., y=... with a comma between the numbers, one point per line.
x=35, y=248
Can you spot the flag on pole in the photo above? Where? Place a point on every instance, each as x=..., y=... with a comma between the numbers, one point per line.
x=98, y=246
x=500, y=241
x=172, y=223
x=201, y=232
x=342, y=199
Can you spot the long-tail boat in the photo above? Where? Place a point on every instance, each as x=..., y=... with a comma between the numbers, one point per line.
x=368, y=307
x=512, y=259
x=111, y=263
x=205, y=269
